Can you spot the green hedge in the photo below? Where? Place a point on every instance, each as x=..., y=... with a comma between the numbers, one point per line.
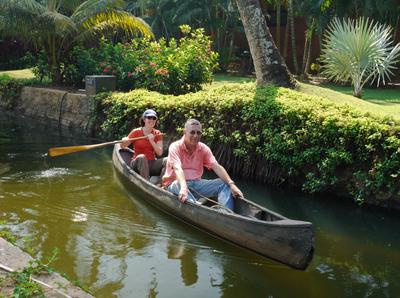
x=10, y=90
x=278, y=136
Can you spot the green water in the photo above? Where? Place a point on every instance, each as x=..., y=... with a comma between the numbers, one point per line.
x=121, y=247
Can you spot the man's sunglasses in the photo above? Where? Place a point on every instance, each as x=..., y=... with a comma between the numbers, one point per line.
x=151, y=118
x=198, y=132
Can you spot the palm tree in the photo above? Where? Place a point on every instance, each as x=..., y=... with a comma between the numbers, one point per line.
x=268, y=63
x=55, y=26
x=359, y=51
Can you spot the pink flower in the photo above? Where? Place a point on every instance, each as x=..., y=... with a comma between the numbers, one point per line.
x=106, y=70
x=162, y=71
x=129, y=74
x=152, y=64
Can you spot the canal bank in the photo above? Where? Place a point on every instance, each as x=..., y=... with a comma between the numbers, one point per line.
x=13, y=259
x=62, y=109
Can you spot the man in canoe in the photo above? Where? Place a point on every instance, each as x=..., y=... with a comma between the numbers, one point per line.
x=186, y=160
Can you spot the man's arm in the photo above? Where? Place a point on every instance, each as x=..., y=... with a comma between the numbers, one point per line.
x=222, y=173
x=180, y=177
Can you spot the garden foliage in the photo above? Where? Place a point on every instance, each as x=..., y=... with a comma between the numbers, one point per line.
x=177, y=67
x=277, y=135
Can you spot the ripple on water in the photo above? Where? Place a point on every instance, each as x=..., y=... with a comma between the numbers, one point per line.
x=80, y=188
x=4, y=168
x=31, y=211
x=80, y=215
x=43, y=174
x=55, y=172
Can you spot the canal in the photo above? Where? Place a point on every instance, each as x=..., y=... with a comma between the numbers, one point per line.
x=118, y=245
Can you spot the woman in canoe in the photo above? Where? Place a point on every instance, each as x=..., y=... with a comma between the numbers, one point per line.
x=144, y=159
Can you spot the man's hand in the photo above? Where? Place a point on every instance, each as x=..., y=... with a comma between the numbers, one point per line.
x=183, y=194
x=236, y=192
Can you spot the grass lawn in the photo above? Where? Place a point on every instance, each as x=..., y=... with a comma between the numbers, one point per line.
x=220, y=79
x=382, y=101
x=19, y=74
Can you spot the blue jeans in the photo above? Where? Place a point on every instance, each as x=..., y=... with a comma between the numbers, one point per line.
x=206, y=188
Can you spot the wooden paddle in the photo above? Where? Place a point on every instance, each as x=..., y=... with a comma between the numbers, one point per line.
x=56, y=151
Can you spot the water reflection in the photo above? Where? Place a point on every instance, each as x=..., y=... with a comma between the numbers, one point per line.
x=110, y=239
x=187, y=256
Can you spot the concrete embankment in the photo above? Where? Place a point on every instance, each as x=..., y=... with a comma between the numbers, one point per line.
x=14, y=259
x=65, y=109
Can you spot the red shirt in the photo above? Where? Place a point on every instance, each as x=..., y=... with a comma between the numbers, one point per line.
x=143, y=146
x=192, y=165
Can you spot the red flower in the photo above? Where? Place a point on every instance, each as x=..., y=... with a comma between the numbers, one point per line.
x=106, y=70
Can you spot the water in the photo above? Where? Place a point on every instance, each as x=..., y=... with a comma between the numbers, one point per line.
x=121, y=247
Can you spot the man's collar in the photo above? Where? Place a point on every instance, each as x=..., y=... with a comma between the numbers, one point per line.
x=183, y=145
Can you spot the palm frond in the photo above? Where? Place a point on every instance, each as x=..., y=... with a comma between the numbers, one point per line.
x=28, y=6
x=91, y=8
x=60, y=23
x=118, y=19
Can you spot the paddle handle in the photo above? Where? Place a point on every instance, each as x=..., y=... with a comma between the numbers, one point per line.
x=120, y=141
x=57, y=151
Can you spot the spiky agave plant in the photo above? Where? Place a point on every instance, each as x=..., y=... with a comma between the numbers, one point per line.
x=359, y=51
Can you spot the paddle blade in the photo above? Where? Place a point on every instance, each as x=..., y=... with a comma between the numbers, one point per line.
x=66, y=150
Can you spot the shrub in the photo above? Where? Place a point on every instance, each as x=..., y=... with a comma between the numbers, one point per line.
x=278, y=136
x=176, y=67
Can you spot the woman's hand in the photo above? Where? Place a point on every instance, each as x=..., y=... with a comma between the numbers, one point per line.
x=125, y=144
x=150, y=136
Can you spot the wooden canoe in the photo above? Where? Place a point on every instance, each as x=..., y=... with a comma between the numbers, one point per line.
x=251, y=226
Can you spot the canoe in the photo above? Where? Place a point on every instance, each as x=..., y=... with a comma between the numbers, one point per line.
x=251, y=226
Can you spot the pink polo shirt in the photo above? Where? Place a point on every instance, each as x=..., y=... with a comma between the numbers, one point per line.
x=192, y=165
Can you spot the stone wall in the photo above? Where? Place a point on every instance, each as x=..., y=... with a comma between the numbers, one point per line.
x=62, y=108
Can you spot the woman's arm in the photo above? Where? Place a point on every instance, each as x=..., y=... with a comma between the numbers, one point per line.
x=158, y=147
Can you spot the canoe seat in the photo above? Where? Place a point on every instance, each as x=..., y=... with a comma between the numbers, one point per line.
x=202, y=201
x=155, y=180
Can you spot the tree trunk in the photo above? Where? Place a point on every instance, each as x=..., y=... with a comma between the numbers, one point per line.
x=307, y=67
x=293, y=36
x=278, y=24
x=286, y=44
x=268, y=63
x=303, y=65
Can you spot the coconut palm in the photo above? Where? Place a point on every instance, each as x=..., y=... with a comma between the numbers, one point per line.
x=55, y=26
x=268, y=63
x=359, y=51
